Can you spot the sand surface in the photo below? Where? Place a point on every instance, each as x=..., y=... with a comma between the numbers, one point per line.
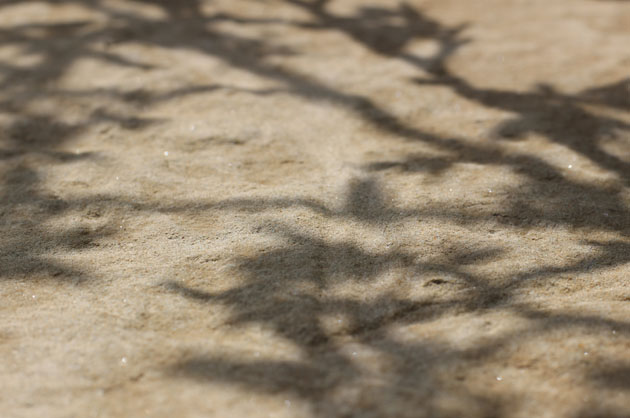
x=294, y=208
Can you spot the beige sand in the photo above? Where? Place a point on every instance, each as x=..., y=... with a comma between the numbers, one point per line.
x=294, y=208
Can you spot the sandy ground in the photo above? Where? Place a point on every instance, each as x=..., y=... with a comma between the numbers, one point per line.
x=294, y=208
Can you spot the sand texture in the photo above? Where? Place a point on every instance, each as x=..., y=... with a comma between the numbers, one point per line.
x=313, y=208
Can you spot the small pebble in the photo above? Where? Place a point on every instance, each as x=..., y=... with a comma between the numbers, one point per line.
x=499, y=378
x=166, y=153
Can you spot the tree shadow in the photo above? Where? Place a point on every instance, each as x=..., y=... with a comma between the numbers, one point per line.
x=28, y=241
x=558, y=117
x=615, y=376
x=59, y=46
x=271, y=295
x=292, y=287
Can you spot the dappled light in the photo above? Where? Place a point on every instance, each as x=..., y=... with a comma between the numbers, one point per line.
x=315, y=208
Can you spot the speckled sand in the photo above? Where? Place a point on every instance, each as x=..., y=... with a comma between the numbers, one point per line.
x=284, y=208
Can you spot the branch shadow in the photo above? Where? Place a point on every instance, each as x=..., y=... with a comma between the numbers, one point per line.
x=291, y=288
